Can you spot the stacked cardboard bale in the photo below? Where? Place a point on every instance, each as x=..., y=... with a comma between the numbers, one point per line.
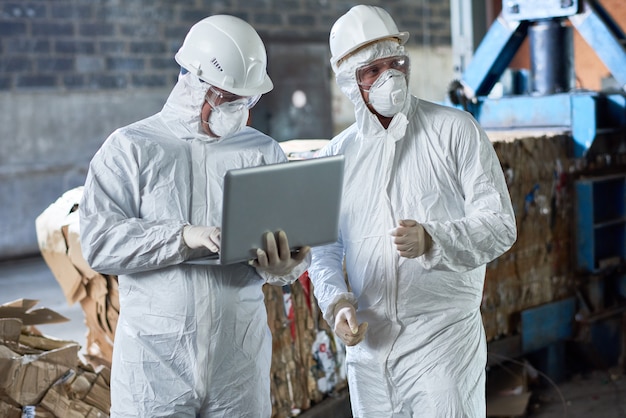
x=305, y=363
x=44, y=377
x=536, y=270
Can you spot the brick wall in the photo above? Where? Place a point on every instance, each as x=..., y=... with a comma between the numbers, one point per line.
x=72, y=71
x=89, y=45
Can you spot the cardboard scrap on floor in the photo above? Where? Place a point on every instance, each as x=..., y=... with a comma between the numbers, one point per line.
x=23, y=309
x=44, y=377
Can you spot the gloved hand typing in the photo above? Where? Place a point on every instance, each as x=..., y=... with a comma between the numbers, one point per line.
x=202, y=236
x=277, y=258
x=346, y=325
x=411, y=239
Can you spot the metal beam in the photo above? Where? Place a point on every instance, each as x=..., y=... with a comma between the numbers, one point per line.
x=494, y=54
x=604, y=36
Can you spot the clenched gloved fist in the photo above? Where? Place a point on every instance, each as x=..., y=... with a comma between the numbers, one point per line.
x=411, y=239
x=202, y=236
x=278, y=259
x=346, y=325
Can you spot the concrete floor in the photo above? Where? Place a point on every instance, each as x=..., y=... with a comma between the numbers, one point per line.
x=600, y=393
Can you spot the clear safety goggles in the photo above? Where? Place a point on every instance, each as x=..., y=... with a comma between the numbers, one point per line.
x=367, y=74
x=218, y=97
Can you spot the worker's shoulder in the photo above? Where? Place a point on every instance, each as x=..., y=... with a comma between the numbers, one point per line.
x=443, y=110
x=250, y=133
x=251, y=138
x=138, y=129
x=145, y=134
x=446, y=115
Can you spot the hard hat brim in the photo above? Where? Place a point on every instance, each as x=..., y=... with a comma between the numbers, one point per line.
x=266, y=86
x=401, y=36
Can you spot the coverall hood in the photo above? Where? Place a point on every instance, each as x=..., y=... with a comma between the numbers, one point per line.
x=367, y=122
x=181, y=112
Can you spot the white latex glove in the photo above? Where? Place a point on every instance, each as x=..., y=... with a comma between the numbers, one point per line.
x=277, y=258
x=411, y=239
x=346, y=325
x=202, y=236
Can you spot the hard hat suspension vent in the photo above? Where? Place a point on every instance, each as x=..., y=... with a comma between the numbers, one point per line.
x=216, y=64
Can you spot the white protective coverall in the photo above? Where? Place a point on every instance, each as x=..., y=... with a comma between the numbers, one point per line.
x=191, y=340
x=424, y=354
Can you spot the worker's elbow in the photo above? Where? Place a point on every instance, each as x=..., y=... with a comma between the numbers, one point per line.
x=89, y=255
x=510, y=235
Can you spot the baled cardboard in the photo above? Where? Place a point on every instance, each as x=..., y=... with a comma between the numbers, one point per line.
x=54, y=247
x=25, y=379
x=58, y=234
x=67, y=397
x=10, y=330
x=9, y=411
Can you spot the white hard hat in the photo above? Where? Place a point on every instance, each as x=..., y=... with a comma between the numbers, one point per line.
x=226, y=52
x=360, y=26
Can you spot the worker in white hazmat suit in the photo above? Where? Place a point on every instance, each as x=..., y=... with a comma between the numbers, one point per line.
x=191, y=340
x=425, y=207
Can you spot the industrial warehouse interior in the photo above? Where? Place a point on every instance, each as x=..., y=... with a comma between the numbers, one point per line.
x=544, y=79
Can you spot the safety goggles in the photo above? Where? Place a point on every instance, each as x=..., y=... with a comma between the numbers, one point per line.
x=367, y=74
x=218, y=97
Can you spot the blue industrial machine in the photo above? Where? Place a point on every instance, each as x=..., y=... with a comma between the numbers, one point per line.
x=547, y=98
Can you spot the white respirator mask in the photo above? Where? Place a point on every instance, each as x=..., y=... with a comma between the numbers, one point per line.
x=226, y=119
x=389, y=92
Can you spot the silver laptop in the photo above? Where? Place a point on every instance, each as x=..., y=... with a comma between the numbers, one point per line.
x=301, y=198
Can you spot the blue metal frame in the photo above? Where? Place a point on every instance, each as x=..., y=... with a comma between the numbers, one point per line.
x=587, y=115
x=606, y=38
x=547, y=324
x=494, y=54
x=600, y=221
x=539, y=9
